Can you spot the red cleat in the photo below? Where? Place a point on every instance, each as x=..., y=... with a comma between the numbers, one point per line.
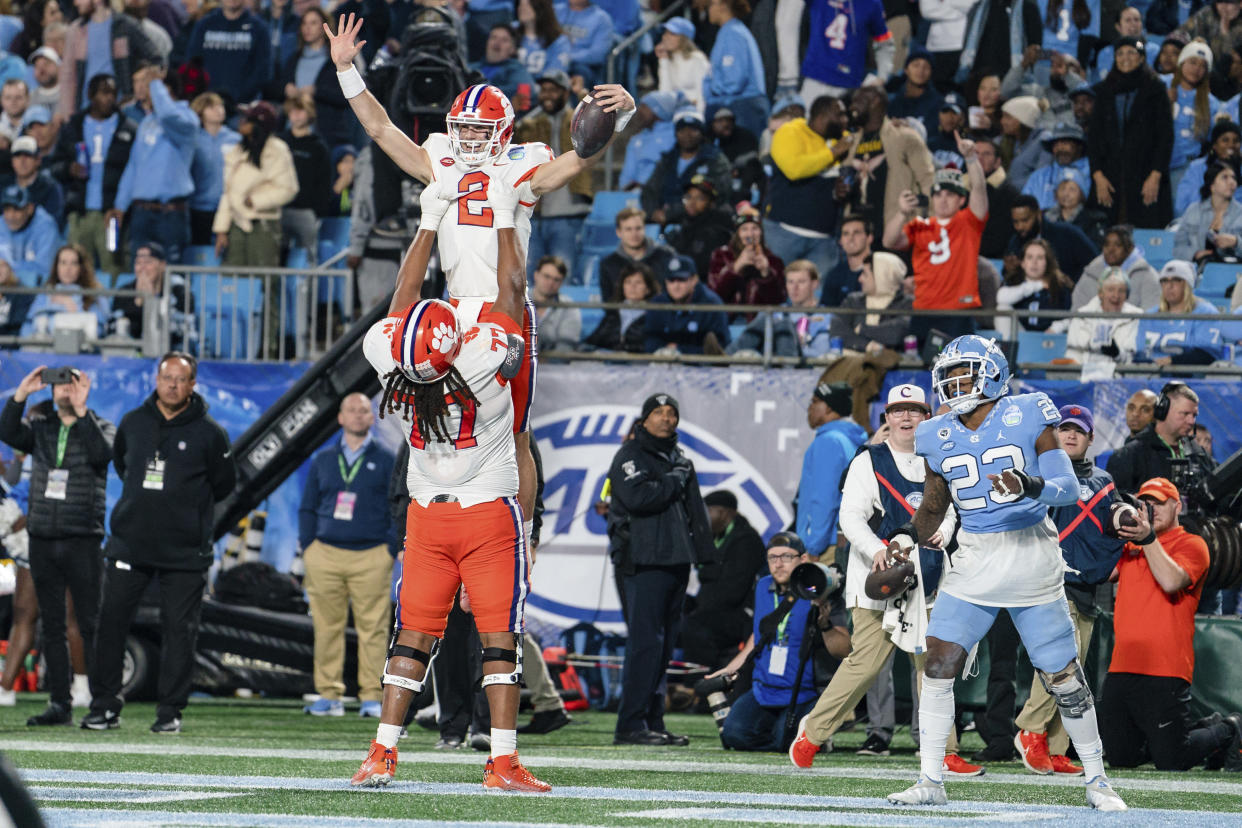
x=1033, y=748
x=802, y=751
x=377, y=769
x=508, y=774
x=1063, y=765
x=955, y=765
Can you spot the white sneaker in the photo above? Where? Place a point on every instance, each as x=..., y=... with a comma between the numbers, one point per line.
x=8, y=698
x=923, y=792
x=1102, y=797
x=80, y=691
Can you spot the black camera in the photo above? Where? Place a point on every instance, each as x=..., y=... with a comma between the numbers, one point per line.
x=1190, y=476
x=811, y=581
x=716, y=691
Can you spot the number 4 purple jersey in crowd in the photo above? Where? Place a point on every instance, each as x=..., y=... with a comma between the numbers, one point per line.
x=841, y=31
x=965, y=458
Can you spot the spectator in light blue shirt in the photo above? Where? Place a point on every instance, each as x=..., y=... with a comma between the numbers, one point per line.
x=543, y=45
x=158, y=205
x=481, y=16
x=795, y=332
x=736, y=79
x=837, y=438
x=1225, y=143
x=656, y=137
x=28, y=236
x=504, y=71
x=1068, y=145
x=590, y=32
x=73, y=273
x=207, y=168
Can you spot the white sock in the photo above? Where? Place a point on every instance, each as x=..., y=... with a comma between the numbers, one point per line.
x=935, y=722
x=387, y=735
x=504, y=742
x=1084, y=732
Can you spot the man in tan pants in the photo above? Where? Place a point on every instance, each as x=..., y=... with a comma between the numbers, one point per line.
x=885, y=483
x=346, y=532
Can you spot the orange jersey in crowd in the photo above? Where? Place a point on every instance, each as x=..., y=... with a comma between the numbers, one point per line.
x=946, y=261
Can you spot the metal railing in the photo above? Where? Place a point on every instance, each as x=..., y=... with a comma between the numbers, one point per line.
x=610, y=75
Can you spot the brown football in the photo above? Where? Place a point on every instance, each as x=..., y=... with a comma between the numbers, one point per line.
x=591, y=127
x=1121, y=514
x=886, y=584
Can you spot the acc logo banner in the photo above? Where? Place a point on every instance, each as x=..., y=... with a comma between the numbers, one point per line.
x=573, y=580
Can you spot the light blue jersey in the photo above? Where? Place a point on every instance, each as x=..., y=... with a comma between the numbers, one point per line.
x=965, y=458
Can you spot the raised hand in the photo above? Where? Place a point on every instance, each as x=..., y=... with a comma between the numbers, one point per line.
x=965, y=147
x=32, y=383
x=613, y=97
x=341, y=46
x=79, y=389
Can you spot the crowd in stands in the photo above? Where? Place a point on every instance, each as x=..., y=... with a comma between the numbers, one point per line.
x=1109, y=148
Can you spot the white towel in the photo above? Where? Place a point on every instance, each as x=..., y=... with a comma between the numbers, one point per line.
x=905, y=618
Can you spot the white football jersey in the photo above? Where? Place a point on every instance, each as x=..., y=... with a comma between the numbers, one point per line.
x=480, y=464
x=467, y=238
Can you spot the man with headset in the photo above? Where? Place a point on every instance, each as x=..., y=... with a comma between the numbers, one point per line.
x=1166, y=443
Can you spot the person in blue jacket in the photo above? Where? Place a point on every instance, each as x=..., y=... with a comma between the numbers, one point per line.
x=1167, y=341
x=158, y=205
x=504, y=71
x=736, y=77
x=656, y=137
x=28, y=236
x=590, y=31
x=783, y=626
x=837, y=438
x=236, y=49
x=686, y=331
x=1224, y=144
x=1068, y=145
x=1090, y=554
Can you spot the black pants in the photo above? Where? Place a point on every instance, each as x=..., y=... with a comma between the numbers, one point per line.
x=56, y=564
x=181, y=602
x=1147, y=719
x=459, y=669
x=996, y=726
x=653, y=598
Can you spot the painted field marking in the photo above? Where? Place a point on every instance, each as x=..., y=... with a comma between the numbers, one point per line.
x=534, y=760
x=920, y=817
x=85, y=818
x=49, y=793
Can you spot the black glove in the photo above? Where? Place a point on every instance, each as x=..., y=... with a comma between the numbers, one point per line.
x=1110, y=350
x=1032, y=484
x=681, y=474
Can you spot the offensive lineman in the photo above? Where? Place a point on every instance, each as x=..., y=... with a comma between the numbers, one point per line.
x=450, y=385
x=998, y=458
x=474, y=152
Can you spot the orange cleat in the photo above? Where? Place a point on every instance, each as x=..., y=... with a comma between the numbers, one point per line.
x=802, y=751
x=1033, y=748
x=955, y=765
x=1063, y=765
x=377, y=769
x=508, y=774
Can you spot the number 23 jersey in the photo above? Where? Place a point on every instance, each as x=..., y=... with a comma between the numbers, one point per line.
x=467, y=238
x=478, y=464
x=965, y=458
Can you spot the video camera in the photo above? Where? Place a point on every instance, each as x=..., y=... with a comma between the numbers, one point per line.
x=811, y=581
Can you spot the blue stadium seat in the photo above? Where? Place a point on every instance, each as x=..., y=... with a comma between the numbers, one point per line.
x=590, y=273
x=653, y=232
x=735, y=330
x=580, y=293
x=1157, y=245
x=1217, y=278
x=591, y=317
x=237, y=337
x=1034, y=346
x=333, y=236
x=606, y=205
x=200, y=255
x=598, y=239
x=298, y=258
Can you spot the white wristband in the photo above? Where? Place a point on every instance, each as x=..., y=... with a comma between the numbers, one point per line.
x=623, y=118
x=503, y=218
x=429, y=222
x=352, y=84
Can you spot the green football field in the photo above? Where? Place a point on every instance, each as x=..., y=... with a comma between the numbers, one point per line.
x=265, y=763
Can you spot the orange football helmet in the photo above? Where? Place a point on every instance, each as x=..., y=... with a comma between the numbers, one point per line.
x=482, y=107
x=427, y=340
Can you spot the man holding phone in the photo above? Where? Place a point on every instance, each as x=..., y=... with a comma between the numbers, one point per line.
x=70, y=448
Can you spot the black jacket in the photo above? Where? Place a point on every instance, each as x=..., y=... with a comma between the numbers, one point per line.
x=854, y=331
x=169, y=528
x=87, y=452
x=333, y=118
x=310, y=159
x=1128, y=153
x=999, y=227
x=609, y=336
x=728, y=583
x=665, y=187
x=699, y=236
x=1146, y=455
x=656, y=258
x=654, y=520
x=65, y=153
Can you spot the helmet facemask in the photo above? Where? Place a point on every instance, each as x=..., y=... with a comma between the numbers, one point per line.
x=476, y=151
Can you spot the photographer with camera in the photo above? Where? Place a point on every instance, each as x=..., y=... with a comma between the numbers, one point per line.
x=70, y=446
x=882, y=489
x=1166, y=448
x=1145, y=710
x=782, y=646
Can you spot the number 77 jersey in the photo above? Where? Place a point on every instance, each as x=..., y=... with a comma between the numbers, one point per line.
x=964, y=458
x=478, y=463
x=467, y=237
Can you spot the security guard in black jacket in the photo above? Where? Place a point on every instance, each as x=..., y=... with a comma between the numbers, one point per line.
x=175, y=464
x=70, y=447
x=658, y=528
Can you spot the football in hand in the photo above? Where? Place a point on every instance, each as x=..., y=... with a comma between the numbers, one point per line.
x=886, y=584
x=591, y=127
x=1121, y=515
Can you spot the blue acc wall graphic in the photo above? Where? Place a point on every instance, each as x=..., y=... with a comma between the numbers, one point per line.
x=572, y=579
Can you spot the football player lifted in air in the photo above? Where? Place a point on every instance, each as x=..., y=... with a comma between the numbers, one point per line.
x=449, y=383
x=466, y=162
x=997, y=458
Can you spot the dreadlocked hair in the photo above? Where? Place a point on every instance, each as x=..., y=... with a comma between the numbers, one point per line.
x=425, y=404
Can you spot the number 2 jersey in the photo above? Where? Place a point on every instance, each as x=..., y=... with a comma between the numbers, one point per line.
x=467, y=237
x=965, y=458
x=479, y=463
